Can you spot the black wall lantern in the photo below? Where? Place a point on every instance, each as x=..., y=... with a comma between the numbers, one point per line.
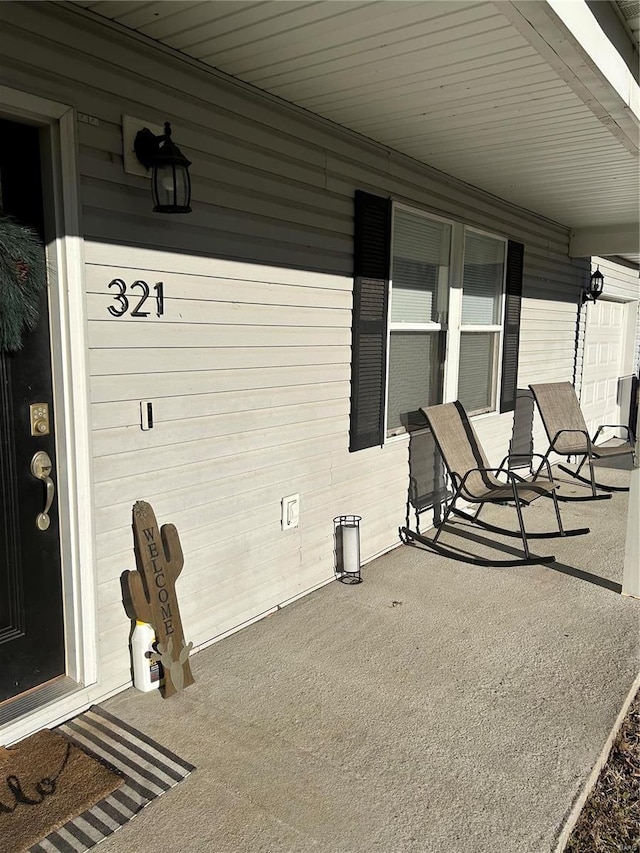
x=596, y=286
x=170, y=180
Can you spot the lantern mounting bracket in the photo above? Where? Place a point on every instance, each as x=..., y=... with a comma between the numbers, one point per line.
x=146, y=146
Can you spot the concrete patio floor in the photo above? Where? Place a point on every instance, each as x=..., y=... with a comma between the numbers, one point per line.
x=437, y=707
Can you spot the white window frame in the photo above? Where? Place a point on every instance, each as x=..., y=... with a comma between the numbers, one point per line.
x=451, y=316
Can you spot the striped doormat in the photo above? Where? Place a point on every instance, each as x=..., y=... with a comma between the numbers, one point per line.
x=149, y=770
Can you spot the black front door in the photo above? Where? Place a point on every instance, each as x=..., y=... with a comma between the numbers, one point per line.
x=31, y=622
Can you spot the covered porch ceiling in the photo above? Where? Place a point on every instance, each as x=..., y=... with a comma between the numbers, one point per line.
x=507, y=96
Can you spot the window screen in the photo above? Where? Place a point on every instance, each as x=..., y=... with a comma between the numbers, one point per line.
x=482, y=282
x=482, y=285
x=414, y=372
x=477, y=368
x=419, y=297
x=420, y=247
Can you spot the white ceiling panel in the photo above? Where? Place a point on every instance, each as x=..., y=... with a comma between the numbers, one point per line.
x=183, y=31
x=461, y=85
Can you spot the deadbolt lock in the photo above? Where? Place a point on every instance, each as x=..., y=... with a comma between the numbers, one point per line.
x=39, y=416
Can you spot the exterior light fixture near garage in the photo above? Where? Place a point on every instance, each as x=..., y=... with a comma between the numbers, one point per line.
x=170, y=179
x=596, y=286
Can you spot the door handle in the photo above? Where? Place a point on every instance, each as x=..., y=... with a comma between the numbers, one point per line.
x=41, y=469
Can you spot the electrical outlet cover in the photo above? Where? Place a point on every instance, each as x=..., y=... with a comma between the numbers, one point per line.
x=290, y=511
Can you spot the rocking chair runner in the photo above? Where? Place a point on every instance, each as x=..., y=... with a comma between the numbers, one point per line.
x=568, y=435
x=475, y=482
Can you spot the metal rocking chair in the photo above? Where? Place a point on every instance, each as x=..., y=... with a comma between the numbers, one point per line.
x=475, y=482
x=568, y=436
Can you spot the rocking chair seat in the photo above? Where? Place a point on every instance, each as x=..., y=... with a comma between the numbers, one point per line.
x=527, y=493
x=603, y=451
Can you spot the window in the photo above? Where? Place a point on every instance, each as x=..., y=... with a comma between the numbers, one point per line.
x=421, y=314
x=436, y=316
x=419, y=303
x=481, y=321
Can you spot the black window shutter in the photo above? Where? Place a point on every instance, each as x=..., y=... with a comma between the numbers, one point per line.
x=372, y=242
x=511, y=342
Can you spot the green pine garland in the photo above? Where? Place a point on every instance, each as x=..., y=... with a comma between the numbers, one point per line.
x=23, y=275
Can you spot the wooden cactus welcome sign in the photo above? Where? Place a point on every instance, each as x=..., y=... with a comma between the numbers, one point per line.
x=153, y=593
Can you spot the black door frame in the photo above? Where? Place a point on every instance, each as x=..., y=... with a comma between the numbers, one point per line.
x=69, y=352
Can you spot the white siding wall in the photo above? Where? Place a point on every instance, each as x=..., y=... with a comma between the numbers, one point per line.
x=249, y=367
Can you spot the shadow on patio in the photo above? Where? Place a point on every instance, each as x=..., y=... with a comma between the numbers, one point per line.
x=436, y=708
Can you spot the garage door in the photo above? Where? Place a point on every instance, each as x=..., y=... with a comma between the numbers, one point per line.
x=604, y=341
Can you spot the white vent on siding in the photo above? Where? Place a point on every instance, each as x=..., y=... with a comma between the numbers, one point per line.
x=630, y=12
x=629, y=8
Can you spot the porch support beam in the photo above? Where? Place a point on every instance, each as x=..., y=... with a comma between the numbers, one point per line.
x=621, y=239
x=567, y=35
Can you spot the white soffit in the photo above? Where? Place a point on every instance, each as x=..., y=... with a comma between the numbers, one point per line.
x=483, y=91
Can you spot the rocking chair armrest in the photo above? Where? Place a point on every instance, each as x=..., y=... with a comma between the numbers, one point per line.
x=481, y=471
x=561, y=431
x=516, y=481
x=611, y=426
x=512, y=480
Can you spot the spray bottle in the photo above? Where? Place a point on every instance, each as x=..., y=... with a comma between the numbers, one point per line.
x=146, y=671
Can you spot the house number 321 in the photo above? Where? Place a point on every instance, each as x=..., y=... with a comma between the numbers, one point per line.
x=125, y=302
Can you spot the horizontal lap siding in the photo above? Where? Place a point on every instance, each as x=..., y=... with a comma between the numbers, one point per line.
x=620, y=281
x=551, y=334
x=248, y=368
